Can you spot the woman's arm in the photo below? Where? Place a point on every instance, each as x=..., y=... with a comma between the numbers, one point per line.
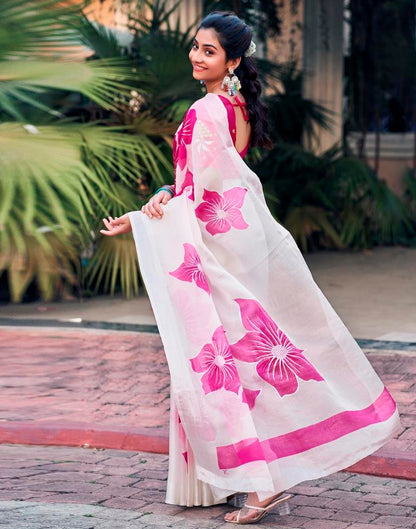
x=162, y=196
x=152, y=209
x=117, y=226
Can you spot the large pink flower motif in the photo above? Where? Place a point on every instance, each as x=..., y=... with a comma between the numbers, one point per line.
x=187, y=181
x=183, y=138
x=221, y=212
x=217, y=364
x=279, y=362
x=191, y=269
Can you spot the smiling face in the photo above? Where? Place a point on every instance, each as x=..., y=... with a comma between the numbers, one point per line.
x=208, y=59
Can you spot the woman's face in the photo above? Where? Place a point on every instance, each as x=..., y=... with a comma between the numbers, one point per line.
x=208, y=57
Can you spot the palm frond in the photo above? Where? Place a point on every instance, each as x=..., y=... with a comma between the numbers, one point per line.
x=303, y=221
x=35, y=28
x=114, y=264
x=101, y=39
x=104, y=81
x=51, y=267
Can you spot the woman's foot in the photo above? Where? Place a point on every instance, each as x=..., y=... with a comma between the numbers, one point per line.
x=247, y=515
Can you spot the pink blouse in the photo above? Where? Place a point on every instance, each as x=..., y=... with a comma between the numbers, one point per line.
x=232, y=121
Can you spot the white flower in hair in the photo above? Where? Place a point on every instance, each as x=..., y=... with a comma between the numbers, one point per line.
x=251, y=49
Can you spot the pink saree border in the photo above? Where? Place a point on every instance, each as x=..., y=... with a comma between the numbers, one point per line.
x=252, y=449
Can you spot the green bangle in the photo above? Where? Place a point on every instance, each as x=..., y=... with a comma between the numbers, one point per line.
x=164, y=189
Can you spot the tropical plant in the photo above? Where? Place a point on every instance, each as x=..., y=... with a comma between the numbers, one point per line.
x=58, y=176
x=261, y=14
x=333, y=201
x=327, y=201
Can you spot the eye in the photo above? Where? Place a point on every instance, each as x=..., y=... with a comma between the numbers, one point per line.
x=208, y=52
x=194, y=46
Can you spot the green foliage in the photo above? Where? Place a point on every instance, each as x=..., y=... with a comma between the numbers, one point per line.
x=261, y=14
x=85, y=132
x=331, y=201
x=292, y=118
x=59, y=177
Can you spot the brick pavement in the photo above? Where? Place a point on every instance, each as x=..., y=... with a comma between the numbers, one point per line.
x=111, y=389
x=75, y=488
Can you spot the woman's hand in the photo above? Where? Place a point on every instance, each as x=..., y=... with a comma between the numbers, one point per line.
x=117, y=226
x=153, y=207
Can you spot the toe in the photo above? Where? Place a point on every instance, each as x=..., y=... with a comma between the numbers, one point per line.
x=231, y=516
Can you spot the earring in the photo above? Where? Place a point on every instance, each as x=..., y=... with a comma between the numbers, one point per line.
x=231, y=83
x=203, y=87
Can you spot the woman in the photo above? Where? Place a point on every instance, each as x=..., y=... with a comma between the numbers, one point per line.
x=268, y=386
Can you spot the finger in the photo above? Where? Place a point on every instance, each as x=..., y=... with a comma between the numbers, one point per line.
x=158, y=209
x=149, y=210
x=153, y=210
x=106, y=224
x=109, y=232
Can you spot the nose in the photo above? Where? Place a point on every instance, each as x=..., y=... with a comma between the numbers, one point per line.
x=197, y=56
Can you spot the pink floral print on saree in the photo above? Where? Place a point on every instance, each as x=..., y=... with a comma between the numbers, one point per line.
x=191, y=269
x=217, y=364
x=278, y=361
x=184, y=138
x=222, y=212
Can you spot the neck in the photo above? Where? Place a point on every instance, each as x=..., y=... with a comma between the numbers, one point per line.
x=214, y=87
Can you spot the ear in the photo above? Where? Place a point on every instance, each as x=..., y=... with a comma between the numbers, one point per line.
x=233, y=63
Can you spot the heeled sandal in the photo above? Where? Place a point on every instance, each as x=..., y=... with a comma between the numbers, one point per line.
x=280, y=501
x=237, y=499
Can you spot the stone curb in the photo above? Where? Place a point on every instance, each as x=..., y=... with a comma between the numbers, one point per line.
x=385, y=463
x=138, y=327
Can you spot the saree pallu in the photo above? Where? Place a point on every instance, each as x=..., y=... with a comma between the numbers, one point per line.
x=268, y=387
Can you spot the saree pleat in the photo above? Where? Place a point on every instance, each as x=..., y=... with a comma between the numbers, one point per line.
x=183, y=487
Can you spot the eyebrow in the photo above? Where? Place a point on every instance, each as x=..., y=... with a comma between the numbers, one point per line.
x=206, y=45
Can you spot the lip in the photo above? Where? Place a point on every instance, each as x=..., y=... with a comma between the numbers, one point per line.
x=198, y=68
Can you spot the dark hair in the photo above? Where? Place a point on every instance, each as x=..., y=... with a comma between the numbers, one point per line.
x=235, y=37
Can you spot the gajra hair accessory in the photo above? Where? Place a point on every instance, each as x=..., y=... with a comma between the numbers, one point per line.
x=250, y=50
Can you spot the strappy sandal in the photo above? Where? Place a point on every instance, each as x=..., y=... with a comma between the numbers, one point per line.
x=237, y=499
x=281, y=502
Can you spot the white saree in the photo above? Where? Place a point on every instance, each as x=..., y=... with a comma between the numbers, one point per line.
x=268, y=387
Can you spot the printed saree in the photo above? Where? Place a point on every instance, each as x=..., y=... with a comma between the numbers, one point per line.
x=268, y=387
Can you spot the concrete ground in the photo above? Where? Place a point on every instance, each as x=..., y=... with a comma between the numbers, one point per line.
x=373, y=291
x=75, y=488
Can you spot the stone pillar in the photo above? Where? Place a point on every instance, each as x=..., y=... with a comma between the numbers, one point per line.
x=188, y=11
x=323, y=64
x=288, y=45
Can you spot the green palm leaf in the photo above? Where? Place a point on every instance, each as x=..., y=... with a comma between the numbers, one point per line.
x=304, y=220
x=115, y=263
x=104, y=81
x=38, y=27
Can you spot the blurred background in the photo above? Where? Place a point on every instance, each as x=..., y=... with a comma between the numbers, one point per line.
x=91, y=94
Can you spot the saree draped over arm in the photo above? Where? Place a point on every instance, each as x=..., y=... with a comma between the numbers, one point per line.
x=268, y=386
